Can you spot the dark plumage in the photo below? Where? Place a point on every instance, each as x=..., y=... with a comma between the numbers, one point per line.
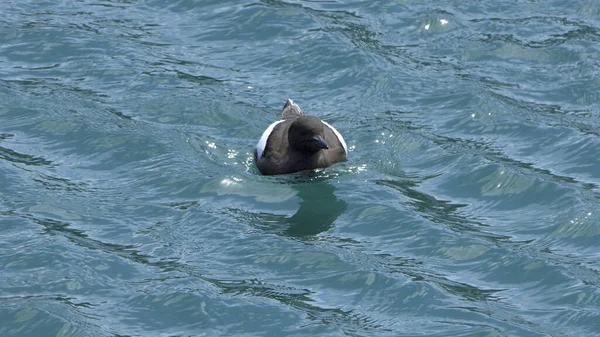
x=298, y=143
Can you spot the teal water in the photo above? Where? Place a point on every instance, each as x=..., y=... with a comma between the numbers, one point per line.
x=130, y=205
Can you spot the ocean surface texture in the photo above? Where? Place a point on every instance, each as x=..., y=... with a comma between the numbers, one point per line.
x=130, y=204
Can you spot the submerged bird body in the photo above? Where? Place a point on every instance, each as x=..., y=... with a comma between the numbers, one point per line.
x=297, y=143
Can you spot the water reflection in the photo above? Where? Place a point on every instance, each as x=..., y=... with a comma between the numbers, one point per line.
x=273, y=200
x=318, y=210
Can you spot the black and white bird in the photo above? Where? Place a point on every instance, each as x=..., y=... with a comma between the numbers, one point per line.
x=297, y=143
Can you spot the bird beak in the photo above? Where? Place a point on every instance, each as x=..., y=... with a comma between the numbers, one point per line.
x=321, y=143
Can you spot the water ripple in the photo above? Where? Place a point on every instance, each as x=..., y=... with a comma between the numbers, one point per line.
x=130, y=204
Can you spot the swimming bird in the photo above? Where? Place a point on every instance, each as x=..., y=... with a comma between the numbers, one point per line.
x=297, y=143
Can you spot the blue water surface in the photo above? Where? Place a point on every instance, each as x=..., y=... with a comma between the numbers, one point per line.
x=130, y=204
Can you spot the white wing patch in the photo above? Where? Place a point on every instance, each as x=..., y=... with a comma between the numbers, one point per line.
x=262, y=142
x=338, y=135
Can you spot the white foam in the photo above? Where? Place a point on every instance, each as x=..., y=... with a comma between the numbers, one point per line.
x=338, y=135
x=262, y=142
